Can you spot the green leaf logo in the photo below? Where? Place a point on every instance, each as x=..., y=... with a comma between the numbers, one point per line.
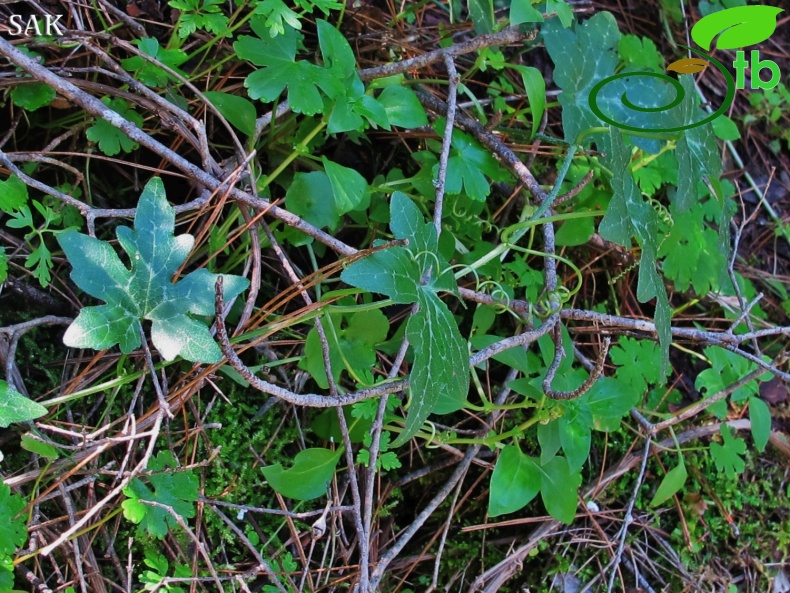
x=736, y=27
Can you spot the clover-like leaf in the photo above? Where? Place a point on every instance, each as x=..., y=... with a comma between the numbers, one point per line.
x=737, y=27
x=279, y=69
x=146, y=291
x=177, y=490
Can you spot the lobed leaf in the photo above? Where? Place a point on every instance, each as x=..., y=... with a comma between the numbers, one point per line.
x=145, y=291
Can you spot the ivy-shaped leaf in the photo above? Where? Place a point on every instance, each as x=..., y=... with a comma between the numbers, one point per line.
x=308, y=478
x=15, y=407
x=177, y=490
x=440, y=375
x=582, y=57
x=738, y=27
x=145, y=292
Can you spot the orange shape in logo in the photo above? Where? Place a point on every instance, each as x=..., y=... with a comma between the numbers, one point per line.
x=688, y=65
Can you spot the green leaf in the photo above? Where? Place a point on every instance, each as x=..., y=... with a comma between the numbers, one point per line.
x=352, y=347
x=440, y=375
x=392, y=272
x=691, y=253
x=196, y=15
x=327, y=426
x=639, y=363
x=176, y=489
x=13, y=531
x=348, y=186
x=739, y=27
x=439, y=380
x=522, y=11
x=582, y=57
x=277, y=14
x=338, y=55
x=308, y=478
x=608, y=401
x=13, y=194
x=468, y=166
x=629, y=215
x=727, y=456
x=760, y=417
x=308, y=197
x=15, y=407
x=535, y=87
x=280, y=69
x=237, y=110
x=149, y=73
x=727, y=368
x=559, y=487
x=481, y=13
x=28, y=443
x=640, y=53
x=32, y=96
x=671, y=484
x=145, y=292
x=575, y=436
x=40, y=261
x=562, y=10
x=3, y=264
x=513, y=357
x=725, y=129
x=112, y=140
x=402, y=107
x=515, y=481
x=697, y=153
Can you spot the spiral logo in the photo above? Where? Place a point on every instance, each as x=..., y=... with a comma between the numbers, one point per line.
x=682, y=66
